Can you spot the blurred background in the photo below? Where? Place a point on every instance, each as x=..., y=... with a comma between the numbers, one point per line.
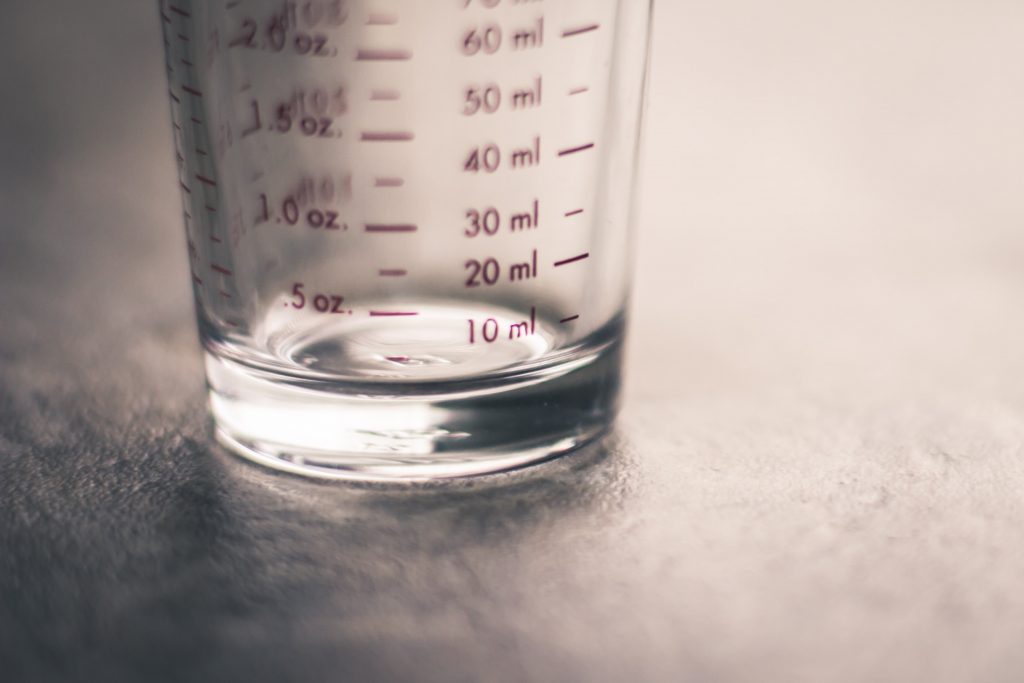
x=819, y=181
x=819, y=470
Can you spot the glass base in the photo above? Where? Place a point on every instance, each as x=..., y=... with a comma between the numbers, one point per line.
x=414, y=431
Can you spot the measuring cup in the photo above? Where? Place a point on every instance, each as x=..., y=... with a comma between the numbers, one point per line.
x=409, y=224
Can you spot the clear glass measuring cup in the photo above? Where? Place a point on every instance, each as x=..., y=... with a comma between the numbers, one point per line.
x=409, y=224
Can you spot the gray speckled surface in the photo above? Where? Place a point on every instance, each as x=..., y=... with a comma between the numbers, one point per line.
x=819, y=474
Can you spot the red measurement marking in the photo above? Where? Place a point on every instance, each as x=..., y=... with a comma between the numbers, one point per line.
x=388, y=182
x=574, y=259
x=196, y=121
x=186, y=62
x=178, y=10
x=201, y=152
x=196, y=279
x=215, y=239
x=185, y=187
x=166, y=18
x=192, y=91
x=574, y=150
x=174, y=97
x=577, y=212
x=387, y=136
x=231, y=323
x=398, y=359
x=570, y=32
x=206, y=181
x=396, y=272
x=365, y=55
x=384, y=95
x=380, y=227
x=182, y=36
x=221, y=269
x=579, y=91
x=393, y=314
x=225, y=294
x=569, y=319
x=382, y=20
x=211, y=209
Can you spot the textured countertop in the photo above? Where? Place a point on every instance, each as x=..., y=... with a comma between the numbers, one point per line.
x=819, y=474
